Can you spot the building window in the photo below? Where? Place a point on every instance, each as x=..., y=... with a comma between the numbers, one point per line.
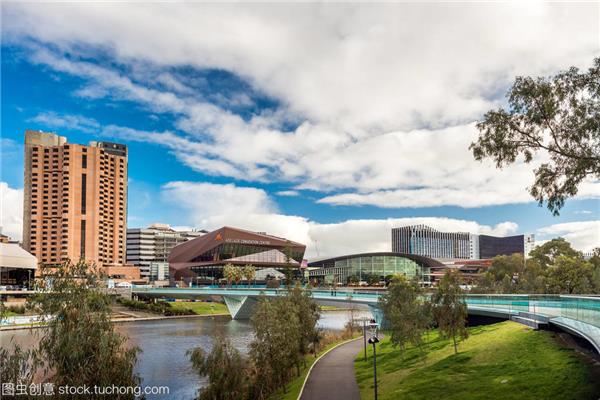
x=83, y=192
x=82, y=241
x=84, y=161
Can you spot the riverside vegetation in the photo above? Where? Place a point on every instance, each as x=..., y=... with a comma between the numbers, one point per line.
x=78, y=346
x=286, y=337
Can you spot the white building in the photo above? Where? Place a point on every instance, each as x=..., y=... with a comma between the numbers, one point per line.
x=149, y=248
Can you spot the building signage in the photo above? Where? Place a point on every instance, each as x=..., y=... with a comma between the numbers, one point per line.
x=248, y=241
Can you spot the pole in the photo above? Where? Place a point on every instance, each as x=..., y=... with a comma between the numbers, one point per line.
x=375, y=370
x=365, y=337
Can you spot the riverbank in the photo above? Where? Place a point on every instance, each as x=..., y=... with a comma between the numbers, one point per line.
x=500, y=361
x=121, y=319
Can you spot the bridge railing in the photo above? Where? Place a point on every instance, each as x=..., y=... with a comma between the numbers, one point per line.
x=580, y=308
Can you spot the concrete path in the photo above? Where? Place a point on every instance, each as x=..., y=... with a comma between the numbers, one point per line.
x=332, y=377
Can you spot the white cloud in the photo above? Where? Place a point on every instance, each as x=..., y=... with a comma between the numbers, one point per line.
x=11, y=211
x=210, y=206
x=385, y=94
x=288, y=193
x=583, y=235
x=53, y=120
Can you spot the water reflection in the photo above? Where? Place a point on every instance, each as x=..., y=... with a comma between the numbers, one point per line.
x=164, y=344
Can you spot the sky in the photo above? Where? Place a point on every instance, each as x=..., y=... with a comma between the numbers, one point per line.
x=328, y=124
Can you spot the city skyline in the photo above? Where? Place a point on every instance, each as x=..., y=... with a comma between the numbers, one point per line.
x=226, y=135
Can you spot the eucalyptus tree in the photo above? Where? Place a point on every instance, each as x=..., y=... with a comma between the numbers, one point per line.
x=79, y=344
x=558, y=116
x=274, y=351
x=450, y=308
x=225, y=368
x=406, y=312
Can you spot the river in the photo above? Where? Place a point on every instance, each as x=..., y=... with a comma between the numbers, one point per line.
x=164, y=343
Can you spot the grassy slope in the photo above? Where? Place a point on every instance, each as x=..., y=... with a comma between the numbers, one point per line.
x=530, y=363
x=201, y=307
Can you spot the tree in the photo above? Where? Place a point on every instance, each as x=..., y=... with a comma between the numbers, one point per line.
x=225, y=368
x=559, y=116
x=288, y=269
x=546, y=254
x=307, y=311
x=249, y=272
x=569, y=275
x=273, y=351
x=230, y=273
x=17, y=365
x=79, y=344
x=353, y=279
x=450, y=309
x=406, y=312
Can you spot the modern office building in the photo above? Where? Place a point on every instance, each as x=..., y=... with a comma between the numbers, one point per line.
x=149, y=248
x=425, y=241
x=492, y=246
x=75, y=201
x=201, y=260
x=363, y=266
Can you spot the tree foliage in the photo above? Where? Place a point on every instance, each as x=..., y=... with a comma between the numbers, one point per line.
x=552, y=268
x=450, y=309
x=249, y=272
x=284, y=332
x=225, y=368
x=17, y=365
x=80, y=346
x=559, y=116
x=406, y=312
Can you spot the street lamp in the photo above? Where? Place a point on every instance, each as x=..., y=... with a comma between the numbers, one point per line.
x=374, y=340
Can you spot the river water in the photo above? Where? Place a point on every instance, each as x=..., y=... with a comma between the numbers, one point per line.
x=164, y=343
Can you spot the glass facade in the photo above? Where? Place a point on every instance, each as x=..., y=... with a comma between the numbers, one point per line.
x=252, y=253
x=366, y=265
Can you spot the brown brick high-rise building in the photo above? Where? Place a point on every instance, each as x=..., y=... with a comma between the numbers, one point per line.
x=75, y=200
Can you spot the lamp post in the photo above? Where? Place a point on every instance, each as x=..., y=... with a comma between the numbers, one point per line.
x=374, y=340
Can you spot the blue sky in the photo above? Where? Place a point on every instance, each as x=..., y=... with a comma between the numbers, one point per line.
x=342, y=130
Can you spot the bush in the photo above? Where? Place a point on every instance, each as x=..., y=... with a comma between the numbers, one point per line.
x=160, y=307
x=16, y=309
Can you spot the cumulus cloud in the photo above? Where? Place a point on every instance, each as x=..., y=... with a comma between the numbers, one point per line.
x=583, y=235
x=11, y=211
x=382, y=97
x=210, y=206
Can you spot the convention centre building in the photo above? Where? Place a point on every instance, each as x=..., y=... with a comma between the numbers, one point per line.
x=201, y=260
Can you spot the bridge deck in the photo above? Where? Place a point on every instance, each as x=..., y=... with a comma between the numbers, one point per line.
x=577, y=314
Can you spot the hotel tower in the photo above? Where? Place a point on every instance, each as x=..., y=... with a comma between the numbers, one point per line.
x=75, y=200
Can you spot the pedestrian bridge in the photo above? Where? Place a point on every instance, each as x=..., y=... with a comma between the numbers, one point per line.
x=579, y=315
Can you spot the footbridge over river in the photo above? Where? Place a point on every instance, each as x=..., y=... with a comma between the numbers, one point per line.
x=579, y=315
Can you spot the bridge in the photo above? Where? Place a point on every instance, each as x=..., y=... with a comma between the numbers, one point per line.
x=579, y=315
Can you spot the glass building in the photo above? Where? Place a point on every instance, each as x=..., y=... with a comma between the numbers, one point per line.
x=364, y=266
x=201, y=260
x=426, y=241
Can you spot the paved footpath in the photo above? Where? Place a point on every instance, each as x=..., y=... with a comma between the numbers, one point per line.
x=332, y=377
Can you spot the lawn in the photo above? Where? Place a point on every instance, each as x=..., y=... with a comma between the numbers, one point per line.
x=500, y=361
x=201, y=307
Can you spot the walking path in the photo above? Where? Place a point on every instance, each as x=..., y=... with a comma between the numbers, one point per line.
x=332, y=377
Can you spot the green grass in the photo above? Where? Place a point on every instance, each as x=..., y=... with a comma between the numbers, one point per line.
x=500, y=361
x=201, y=307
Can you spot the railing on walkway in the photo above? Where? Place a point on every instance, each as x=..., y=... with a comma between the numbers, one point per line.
x=579, y=308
